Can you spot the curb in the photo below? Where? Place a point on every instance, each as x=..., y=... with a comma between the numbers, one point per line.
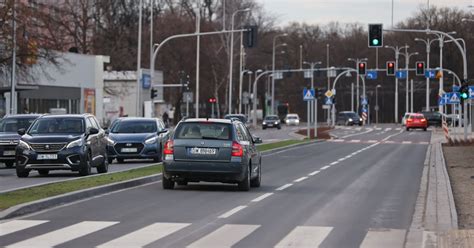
x=35, y=206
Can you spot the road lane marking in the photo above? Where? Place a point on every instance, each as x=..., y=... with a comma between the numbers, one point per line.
x=338, y=140
x=348, y=157
x=262, y=197
x=146, y=235
x=305, y=236
x=18, y=225
x=285, y=186
x=406, y=142
x=341, y=159
x=314, y=173
x=398, y=128
x=226, y=236
x=231, y=212
x=354, y=141
x=326, y=167
x=388, y=129
x=300, y=179
x=387, y=238
x=424, y=143
x=372, y=141
x=65, y=234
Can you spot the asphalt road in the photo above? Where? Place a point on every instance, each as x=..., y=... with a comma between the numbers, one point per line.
x=349, y=192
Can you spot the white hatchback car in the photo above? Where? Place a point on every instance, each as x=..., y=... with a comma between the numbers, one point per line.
x=405, y=117
x=292, y=119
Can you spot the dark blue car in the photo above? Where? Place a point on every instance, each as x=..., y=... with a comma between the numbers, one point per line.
x=136, y=138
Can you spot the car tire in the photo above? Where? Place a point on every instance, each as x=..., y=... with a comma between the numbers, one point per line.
x=255, y=183
x=424, y=129
x=21, y=172
x=278, y=127
x=408, y=129
x=167, y=183
x=9, y=164
x=43, y=172
x=85, y=168
x=103, y=167
x=264, y=127
x=120, y=160
x=110, y=160
x=244, y=185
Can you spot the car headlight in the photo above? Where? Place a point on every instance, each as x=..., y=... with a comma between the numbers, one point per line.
x=23, y=145
x=110, y=142
x=264, y=123
x=151, y=141
x=350, y=119
x=360, y=119
x=276, y=122
x=74, y=143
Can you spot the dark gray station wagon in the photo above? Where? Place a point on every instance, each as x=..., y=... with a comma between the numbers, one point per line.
x=212, y=150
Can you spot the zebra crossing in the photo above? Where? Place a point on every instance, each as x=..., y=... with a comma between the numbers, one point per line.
x=225, y=235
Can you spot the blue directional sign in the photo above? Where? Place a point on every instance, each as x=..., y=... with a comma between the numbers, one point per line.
x=308, y=94
x=471, y=92
x=364, y=109
x=371, y=75
x=443, y=99
x=328, y=101
x=146, y=81
x=401, y=74
x=364, y=101
x=456, y=88
x=430, y=73
x=450, y=98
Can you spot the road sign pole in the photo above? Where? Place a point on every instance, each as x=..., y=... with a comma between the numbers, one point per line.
x=315, y=118
x=187, y=107
x=212, y=110
x=352, y=97
x=308, y=121
x=465, y=120
x=411, y=95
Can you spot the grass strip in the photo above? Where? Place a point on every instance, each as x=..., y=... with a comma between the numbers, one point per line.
x=266, y=147
x=20, y=196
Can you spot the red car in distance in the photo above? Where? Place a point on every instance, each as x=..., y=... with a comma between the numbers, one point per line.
x=416, y=121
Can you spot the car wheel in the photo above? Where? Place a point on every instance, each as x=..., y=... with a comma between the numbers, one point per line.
x=257, y=181
x=9, y=164
x=43, y=172
x=182, y=183
x=110, y=160
x=245, y=184
x=408, y=129
x=120, y=160
x=157, y=159
x=85, y=169
x=104, y=167
x=167, y=183
x=264, y=127
x=278, y=127
x=424, y=129
x=21, y=172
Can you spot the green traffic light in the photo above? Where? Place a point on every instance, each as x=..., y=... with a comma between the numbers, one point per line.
x=375, y=42
x=464, y=95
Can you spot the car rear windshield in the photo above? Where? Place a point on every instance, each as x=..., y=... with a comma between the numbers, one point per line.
x=418, y=117
x=11, y=125
x=271, y=118
x=57, y=126
x=292, y=118
x=203, y=130
x=134, y=127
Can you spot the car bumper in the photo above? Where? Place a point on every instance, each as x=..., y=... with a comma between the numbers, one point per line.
x=191, y=171
x=67, y=159
x=148, y=152
x=417, y=126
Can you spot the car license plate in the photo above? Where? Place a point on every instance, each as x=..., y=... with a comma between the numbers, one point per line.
x=203, y=151
x=47, y=156
x=8, y=153
x=129, y=150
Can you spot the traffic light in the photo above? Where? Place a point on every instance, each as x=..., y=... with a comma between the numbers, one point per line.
x=212, y=100
x=375, y=35
x=153, y=93
x=250, y=36
x=420, y=68
x=390, y=68
x=464, y=92
x=362, y=66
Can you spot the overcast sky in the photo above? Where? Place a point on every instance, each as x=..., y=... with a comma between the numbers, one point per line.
x=346, y=11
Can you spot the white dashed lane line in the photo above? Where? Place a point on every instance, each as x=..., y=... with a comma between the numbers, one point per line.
x=284, y=187
x=231, y=212
x=300, y=179
x=314, y=173
x=262, y=197
x=325, y=167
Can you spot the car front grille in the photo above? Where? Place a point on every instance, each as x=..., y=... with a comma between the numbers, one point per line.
x=8, y=142
x=50, y=147
x=119, y=146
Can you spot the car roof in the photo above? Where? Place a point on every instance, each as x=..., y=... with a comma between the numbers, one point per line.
x=416, y=114
x=240, y=115
x=23, y=116
x=67, y=116
x=347, y=112
x=224, y=121
x=136, y=119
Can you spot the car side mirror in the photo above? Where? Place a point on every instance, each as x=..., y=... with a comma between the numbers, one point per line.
x=257, y=140
x=21, y=131
x=163, y=131
x=93, y=131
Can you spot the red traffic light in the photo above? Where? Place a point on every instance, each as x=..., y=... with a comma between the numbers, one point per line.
x=361, y=65
x=212, y=100
x=391, y=65
x=420, y=65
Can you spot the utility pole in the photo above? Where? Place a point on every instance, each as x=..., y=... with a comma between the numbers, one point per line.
x=139, y=57
x=13, y=76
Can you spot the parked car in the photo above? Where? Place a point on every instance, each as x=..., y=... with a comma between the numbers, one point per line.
x=348, y=118
x=292, y=119
x=271, y=121
x=433, y=118
x=9, y=137
x=405, y=117
x=242, y=118
x=136, y=138
x=212, y=150
x=62, y=142
x=416, y=121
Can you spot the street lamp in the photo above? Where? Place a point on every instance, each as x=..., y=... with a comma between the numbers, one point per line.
x=357, y=61
x=377, y=107
x=273, y=70
x=232, y=55
x=397, y=50
x=428, y=50
x=407, y=62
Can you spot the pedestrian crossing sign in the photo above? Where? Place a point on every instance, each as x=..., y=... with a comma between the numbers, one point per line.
x=308, y=94
x=328, y=101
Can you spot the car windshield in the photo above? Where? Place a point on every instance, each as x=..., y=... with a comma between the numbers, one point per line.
x=134, y=127
x=292, y=118
x=271, y=118
x=207, y=130
x=352, y=115
x=11, y=125
x=57, y=126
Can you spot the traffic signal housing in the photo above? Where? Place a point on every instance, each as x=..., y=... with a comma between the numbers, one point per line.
x=375, y=35
x=362, y=68
x=464, y=92
x=420, y=68
x=250, y=36
x=390, y=68
x=212, y=100
x=153, y=93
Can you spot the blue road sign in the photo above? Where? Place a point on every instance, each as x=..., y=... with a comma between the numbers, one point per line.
x=308, y=94
x=146, y=81
x=443, y=100
x=364, y=101
x=364, y=110
x=450, y=98
x=401, y=74
x=430, y=73
x=328, y=101
x=456, y=88
x=471, y=92
x=371, y=75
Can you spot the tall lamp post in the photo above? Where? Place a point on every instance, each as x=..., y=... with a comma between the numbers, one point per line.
x=377, y=107
x=273, y=70
x=397, y=50
x=231, y=64
x=357, y=61
x=428, y=50
x=407, y=62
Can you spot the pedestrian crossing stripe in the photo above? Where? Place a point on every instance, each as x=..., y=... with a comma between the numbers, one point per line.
x=226, y=235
